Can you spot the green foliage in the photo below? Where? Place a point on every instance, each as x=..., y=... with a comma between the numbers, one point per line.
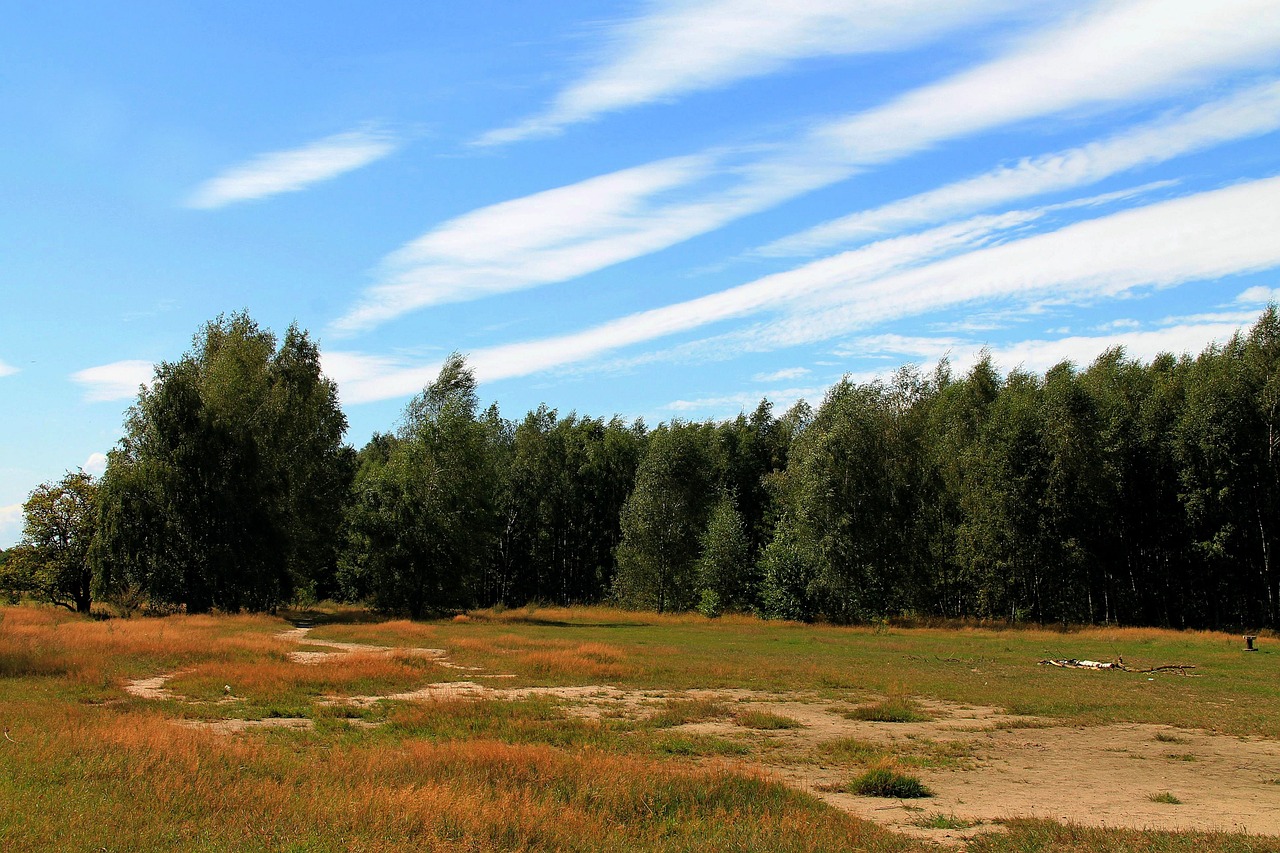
x=664, y=517
x=52, y=562
x=724, y=573
x=424, y=510
x=789, y=568
x=229, y=483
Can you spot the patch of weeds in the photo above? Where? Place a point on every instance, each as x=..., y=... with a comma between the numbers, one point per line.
x=1184, y=756
x=697, y=745
x=883, y=782
x=679, y=712
x=938, y=820
x=1164, y=797
x=895, y=709
x=755, y=719
x=1165, y=737
x=850, y=750
x=918, y=752
x=1022, y=723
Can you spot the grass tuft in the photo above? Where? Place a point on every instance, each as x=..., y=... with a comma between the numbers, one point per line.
x=764, y=720
x=1164, y=797
x=938, y=820
x=895, y=709
x=883, y=782
x=1165, y=737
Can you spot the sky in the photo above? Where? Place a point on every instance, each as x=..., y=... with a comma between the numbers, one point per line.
x=659, y=209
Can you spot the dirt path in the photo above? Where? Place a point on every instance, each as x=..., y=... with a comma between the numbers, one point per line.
x=997, y=767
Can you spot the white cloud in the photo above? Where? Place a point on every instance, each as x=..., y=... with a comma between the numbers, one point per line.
x=1251, y=112
x=681, y=46
x=96, y=464
x=298, y=168
x=779, y=375
x=118, y=380
x=1259, y=295
x=1113, y=54
x=782, y=399
x=375, y=378
x=7, y=369
x=10, y=525
x=1040, y=355
x=1196, y=238
x=1199, y=237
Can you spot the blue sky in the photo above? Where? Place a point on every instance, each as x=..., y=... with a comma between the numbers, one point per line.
x=658, y=209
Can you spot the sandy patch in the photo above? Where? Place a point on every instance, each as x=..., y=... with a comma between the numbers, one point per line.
x=232, y=727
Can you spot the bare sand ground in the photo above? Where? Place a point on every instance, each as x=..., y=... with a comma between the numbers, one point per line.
x=1007, y=766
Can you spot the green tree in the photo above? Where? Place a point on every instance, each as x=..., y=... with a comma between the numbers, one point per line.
x=426, y=515
x=725, y=576
x=53, y=560
x=229, y=483
x=676, y=486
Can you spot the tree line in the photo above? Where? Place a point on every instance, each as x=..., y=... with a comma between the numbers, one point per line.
x=1125, y=492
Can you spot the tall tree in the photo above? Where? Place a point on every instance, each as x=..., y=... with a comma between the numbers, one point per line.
x=662, y=520
x=228, y=485
x=427, y=515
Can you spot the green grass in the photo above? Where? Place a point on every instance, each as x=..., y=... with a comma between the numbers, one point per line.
x=1027, y=835
x=755, y=719
x=938, y=820
x=891, y=710
x=883, y=782
x=1164, y=797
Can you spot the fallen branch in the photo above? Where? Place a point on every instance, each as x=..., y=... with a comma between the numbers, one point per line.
x=1072, y=663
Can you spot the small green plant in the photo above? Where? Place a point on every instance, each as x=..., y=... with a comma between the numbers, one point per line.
x=1165, y=737
x=1164, y=797
x=938, y=820
x=884, y=782
x=1185, y=756
x=895, y=709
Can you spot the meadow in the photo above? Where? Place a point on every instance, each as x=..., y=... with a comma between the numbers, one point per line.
x=598, y=729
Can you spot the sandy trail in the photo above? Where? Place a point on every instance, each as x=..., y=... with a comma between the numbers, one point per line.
x=1015, y=766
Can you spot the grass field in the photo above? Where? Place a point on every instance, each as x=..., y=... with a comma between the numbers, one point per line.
x=590, y=729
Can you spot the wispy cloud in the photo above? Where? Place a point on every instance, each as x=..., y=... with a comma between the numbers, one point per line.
x=7, y=369
x=1198, y=237
x=1114, y=53
x=295, y=169
x=1107, y=56
x=782, y=398
x=1251, y=112
x=372, y=378
x=680, y=47
x=1184, y=335
x=780, y=375
x=119, y=380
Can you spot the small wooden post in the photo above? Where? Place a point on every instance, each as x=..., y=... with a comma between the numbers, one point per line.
x=1248, y=643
